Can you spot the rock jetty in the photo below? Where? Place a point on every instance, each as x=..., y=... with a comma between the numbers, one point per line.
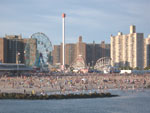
x=54, y=96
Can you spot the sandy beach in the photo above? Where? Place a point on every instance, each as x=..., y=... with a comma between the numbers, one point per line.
x=76, y=83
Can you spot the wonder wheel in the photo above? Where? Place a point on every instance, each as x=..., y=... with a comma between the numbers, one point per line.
x=44, y=50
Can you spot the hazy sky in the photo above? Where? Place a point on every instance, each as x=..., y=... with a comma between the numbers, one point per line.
x=92, y=19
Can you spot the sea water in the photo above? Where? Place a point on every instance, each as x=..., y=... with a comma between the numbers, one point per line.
x=127, y=102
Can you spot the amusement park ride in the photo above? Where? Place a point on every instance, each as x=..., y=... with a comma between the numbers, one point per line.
x=38, y=54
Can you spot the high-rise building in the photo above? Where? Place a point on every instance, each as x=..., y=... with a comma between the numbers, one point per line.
x=147, y=52
x=56, y=53
x=12, y=49
x=70, y=52
x=95, y=51
x=30, y=51
x=3, y=48
x=89, y=52
x=15, y=49
x=128, y=50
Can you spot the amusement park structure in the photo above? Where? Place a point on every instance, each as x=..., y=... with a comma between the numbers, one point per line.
x=103, y=63
x=79, y=63
x=41, y=56
x=63, y=38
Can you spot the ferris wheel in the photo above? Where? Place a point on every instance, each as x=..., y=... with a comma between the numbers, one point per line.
x=38, y=50
x=44, y=49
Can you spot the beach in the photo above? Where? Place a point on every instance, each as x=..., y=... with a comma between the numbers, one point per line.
x=72, y=83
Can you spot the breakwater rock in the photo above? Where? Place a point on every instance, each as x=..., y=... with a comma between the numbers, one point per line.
x=55, y=96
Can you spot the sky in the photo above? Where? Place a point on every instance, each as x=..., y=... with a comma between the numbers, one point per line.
x=94, y=20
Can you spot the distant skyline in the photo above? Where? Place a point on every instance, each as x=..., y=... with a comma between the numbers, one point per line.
x=92, y=19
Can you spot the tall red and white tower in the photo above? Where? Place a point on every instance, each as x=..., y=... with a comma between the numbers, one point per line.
x=63, y=38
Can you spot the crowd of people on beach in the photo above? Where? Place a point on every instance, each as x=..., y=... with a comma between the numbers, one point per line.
x=48, y=83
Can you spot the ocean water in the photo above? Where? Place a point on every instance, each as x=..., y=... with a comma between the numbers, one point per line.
x=127, y=102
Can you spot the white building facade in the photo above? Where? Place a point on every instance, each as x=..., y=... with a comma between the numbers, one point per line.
x=128, y=50
x=147, y=52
